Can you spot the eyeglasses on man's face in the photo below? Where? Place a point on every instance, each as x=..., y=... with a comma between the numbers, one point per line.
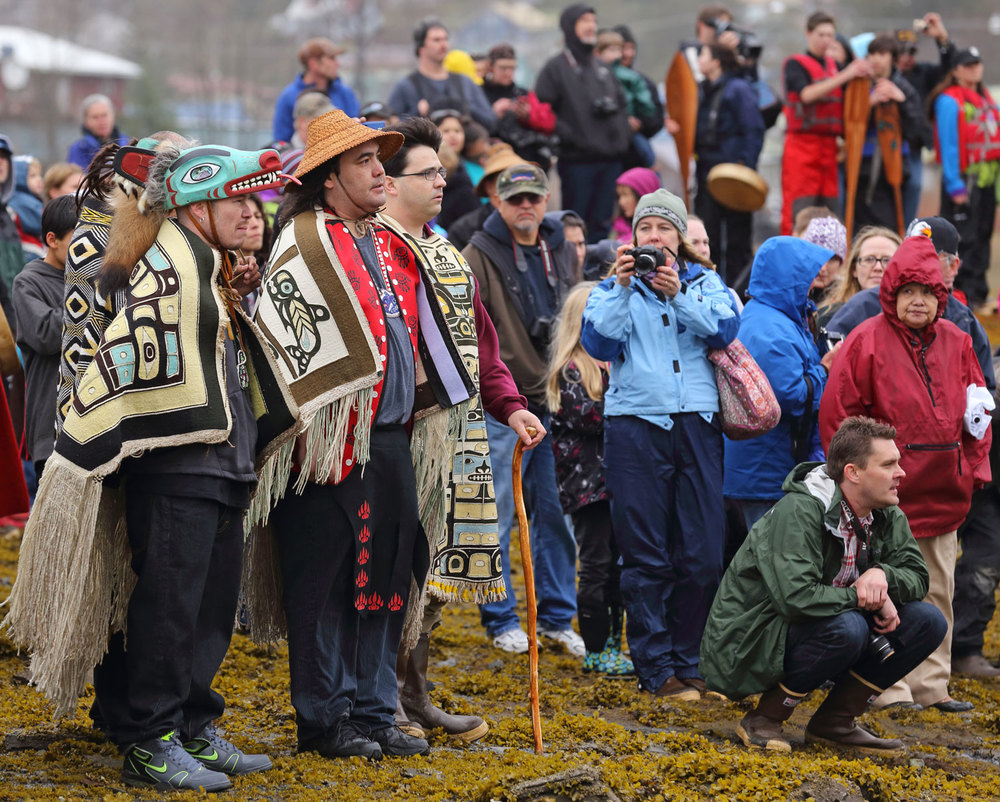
x=429, y=174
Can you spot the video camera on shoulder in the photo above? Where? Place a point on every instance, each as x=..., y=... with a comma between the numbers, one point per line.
x=749, y=48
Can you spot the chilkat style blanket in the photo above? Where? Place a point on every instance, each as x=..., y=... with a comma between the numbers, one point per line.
x=157, y=379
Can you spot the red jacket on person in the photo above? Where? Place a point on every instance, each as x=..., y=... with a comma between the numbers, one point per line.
x=915, y=381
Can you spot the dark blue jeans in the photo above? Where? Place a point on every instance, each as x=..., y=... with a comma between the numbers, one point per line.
x=669, y=521
x=588, y=188
x=820, y=650
x=553, y=549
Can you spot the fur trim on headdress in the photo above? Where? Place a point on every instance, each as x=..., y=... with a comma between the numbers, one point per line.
x=137, y=215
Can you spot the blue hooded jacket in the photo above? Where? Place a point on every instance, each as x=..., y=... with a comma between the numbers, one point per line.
x=657, y=347
x=774, y=331
x=27, y=205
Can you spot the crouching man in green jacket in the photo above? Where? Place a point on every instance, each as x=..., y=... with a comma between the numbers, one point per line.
x=831, y=568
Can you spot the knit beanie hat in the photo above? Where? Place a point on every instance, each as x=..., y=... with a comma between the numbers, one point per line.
x=829, y=233
x=661, y=204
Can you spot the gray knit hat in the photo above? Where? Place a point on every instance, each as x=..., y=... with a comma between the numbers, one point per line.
x=661, y=204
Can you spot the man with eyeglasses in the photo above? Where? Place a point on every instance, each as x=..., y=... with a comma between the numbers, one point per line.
x=922, y=76
x=464, y=543
x=525, y=266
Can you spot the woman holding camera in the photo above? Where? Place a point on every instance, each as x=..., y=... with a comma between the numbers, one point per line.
x=654, y=320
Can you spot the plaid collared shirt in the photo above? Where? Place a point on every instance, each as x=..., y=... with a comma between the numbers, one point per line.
x=848, y=572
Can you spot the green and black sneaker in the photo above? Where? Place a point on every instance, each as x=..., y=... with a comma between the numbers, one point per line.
x=163, y=764
x=216, y=753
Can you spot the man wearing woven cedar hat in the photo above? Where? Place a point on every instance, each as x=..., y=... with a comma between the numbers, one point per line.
x=181, y=404
x=341, y=303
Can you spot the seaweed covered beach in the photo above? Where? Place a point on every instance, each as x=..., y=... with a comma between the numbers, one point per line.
x=604, y=740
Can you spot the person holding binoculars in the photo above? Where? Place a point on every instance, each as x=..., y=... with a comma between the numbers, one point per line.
x=654, y=319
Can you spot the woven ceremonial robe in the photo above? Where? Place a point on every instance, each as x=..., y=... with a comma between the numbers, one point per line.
x=457, y=503
x=85, y=312
x=157, y=379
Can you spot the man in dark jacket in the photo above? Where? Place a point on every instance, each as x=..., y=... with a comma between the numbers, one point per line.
x=827, y=586
x=875, y=202
x=730, y=129
x=591, y=121
x=524, y=267
x=430, y=87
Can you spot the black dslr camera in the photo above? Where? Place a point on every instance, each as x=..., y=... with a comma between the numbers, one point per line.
x=879, y=646
x=647, y=259
x=604, y=107
x=750, y=46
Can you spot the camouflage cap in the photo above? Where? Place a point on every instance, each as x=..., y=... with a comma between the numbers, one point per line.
x=522, y=178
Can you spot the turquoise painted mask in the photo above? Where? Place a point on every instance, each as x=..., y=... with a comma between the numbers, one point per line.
x=213, y=172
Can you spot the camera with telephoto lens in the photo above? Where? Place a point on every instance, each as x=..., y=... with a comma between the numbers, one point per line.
x=647, y=259
x=604, y=106
x=749, y=47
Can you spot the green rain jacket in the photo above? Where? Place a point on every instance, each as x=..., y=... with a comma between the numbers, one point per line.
x=782, y=575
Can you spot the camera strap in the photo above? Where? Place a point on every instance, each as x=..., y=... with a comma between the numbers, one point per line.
x=861, y=532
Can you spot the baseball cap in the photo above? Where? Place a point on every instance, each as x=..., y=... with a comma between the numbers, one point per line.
x=942, y=234
x=969, y=55
x=522, y=178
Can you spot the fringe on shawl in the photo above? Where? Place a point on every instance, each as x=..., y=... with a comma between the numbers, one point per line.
x=262, y=587
x=325, y=437
x=70, y=555
x=432, y=449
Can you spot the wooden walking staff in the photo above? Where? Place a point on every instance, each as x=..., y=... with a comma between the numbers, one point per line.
x=529, y=592
x=855, y=127
x=682, y=106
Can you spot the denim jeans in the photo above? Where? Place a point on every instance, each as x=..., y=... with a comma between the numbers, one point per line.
x=754, y=510
x=553, y=549
x=823, y=649
x=588, y=188
x=912, y=186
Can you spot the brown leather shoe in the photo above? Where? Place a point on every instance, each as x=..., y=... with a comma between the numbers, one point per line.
x=974, y=665
x=676, y=690
x=699, y=685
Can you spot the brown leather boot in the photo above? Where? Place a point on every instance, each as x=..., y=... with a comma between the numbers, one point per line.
x=402, y=720
x=418, y=707
x=833, y=723
x=761, y=728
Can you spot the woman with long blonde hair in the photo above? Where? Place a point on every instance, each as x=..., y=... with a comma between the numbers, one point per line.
x=575, y=396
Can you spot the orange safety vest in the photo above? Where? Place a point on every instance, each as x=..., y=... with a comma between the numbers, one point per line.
x=978, y=127
x=826, y=115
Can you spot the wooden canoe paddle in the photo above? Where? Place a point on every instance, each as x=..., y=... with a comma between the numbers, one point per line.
x=682, y=106
x=855, y=126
